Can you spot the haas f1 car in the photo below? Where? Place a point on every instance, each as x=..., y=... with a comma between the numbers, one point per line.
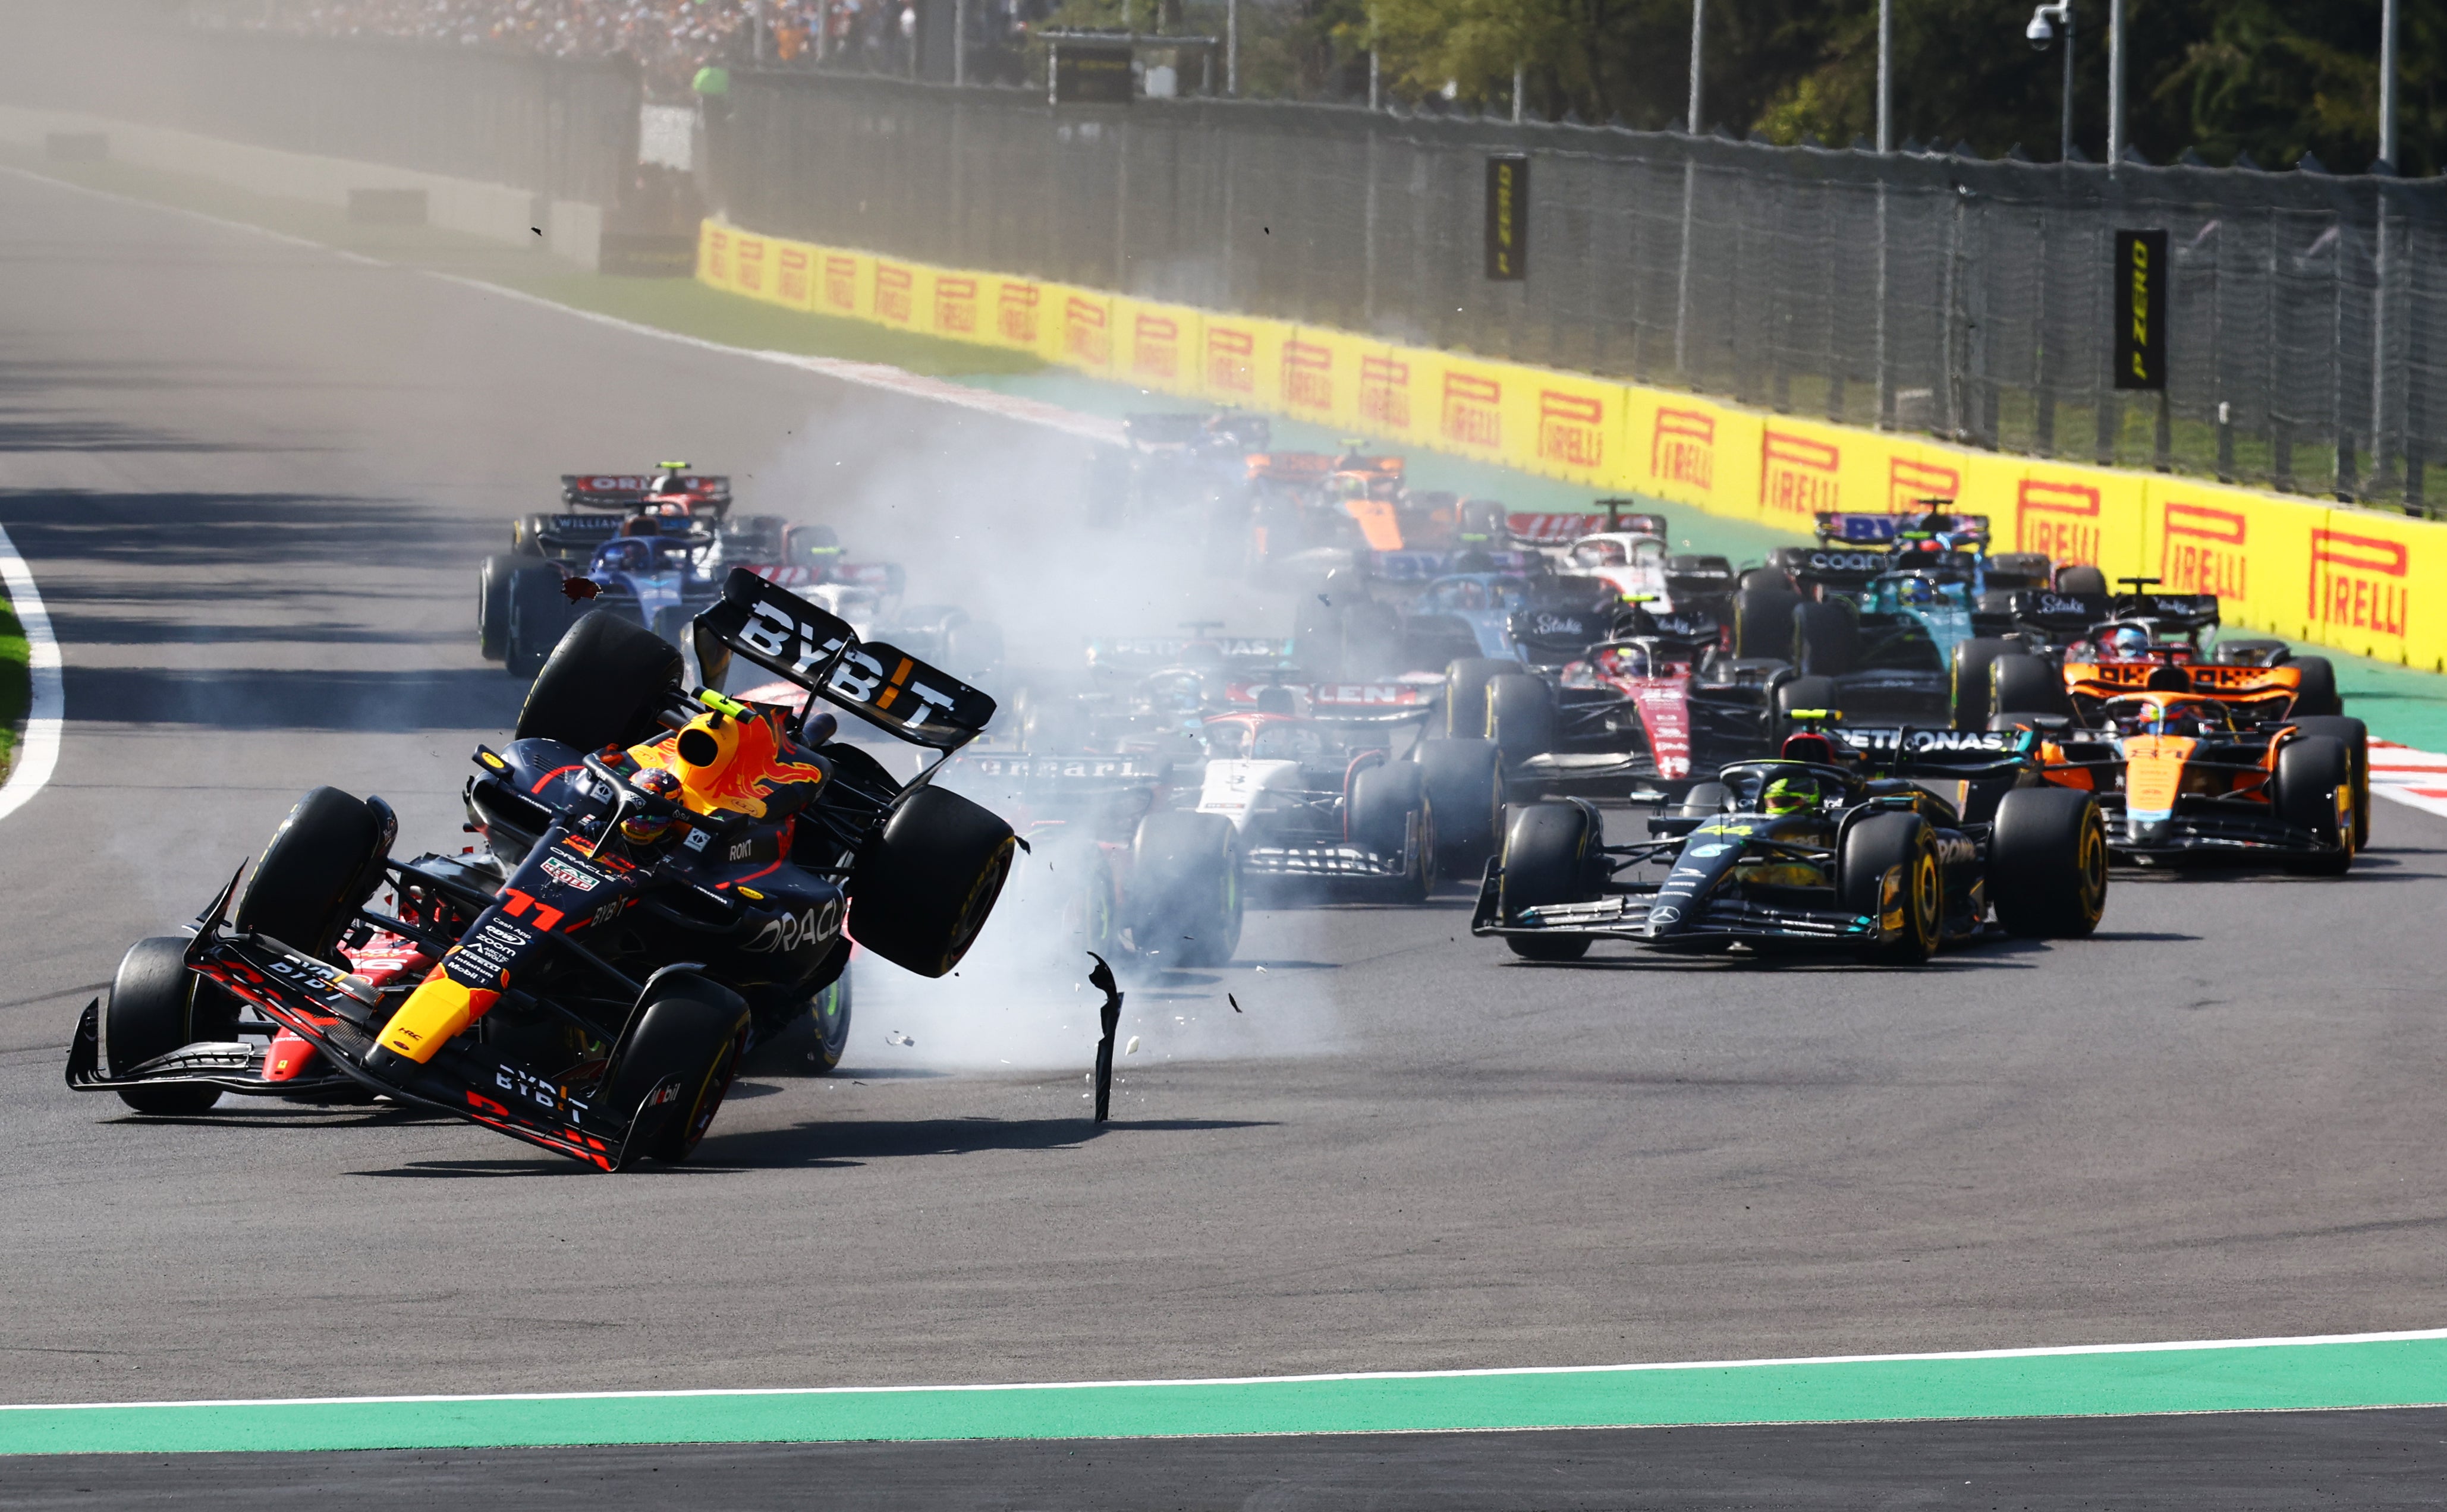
x=668, y=880
x=1844, y=842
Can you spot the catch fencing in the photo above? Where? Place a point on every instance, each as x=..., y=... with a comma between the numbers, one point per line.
x=563, y=127
x=1945, y=294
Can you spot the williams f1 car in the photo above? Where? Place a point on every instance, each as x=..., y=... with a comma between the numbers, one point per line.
x=1844, y=842
x=667, y=879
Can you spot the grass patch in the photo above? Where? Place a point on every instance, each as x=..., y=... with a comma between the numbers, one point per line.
x=16, y=685
x=682, y=306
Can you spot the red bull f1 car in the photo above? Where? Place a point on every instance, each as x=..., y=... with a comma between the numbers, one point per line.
x=667, y=879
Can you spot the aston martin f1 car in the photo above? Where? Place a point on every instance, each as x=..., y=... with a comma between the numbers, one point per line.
x=667, y=879
x=1844, y=842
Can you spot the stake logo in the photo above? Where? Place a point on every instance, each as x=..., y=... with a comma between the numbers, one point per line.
x=1155, y=346
x=1683, y=448
x=2202, y=551
x=1015, y=313
x=1910, y=481
x=790, y=280
x=1385, y=392
x=2058, y=520
x=1571, y=429
x=1231, y=360
x=956, y=305
x=1473, y=415
x=1083, y=336
x=841, y=284
x=749, y=263
x=2360, y=580
x=895, y=293
x=717, y=256
x=1798, y=475
x=1308, y=374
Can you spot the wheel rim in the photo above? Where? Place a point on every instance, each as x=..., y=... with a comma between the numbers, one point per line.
x=1926, y=897
x=2092, y=880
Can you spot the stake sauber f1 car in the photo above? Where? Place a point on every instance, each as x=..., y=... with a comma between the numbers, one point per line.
x=1843, y=842
x=667, y=880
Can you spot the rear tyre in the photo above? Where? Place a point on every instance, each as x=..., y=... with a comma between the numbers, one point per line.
x=1804, y=692
x=1970, y=682
x=152, y=1012
x=1763, y=621
x=1764, y=578
x=540, y=614
x=526, y=534
x=1889, y=871
x=1466, y=694
x=1546, y=860
x=1386, y=801
x=493, y=604
x=602, y=685
x=1465, y=786
x=2081, y=582
x=1826, y=639
x=690, y=1028
x=319, y=868
x=2315, y=792
x=924, y=886
x=2019, y=683
x=2355, y=736
x=2316, y=697
x=1520, y=716
x=1705, y=800
x=1186, y=879
x=2047, y=864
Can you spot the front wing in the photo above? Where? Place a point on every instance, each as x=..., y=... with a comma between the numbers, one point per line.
x=1629, y=917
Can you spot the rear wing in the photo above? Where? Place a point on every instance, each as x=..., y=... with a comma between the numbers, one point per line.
x=2215, y=679
x=1905, y=751
x=627, y=490
x=880, y=683
x=1290, y=466
x=1878, y=530
x=1561, y=530
x=1426, y=566
x=1151, y=653
x=2059, y=615
x=2180, y=611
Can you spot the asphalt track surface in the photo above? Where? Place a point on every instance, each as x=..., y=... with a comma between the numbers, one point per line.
x=255, y=479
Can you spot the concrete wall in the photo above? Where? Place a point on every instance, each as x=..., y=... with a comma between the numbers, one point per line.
x=572, y=230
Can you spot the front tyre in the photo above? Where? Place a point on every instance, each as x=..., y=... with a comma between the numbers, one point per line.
x=693, y=1032
x=493, y=604
x=1548, y=851
x=2047, y=864
x=154, y=1009
x=2315, y=792
x=602, y=685
x=1464, y=780
x=1185, y=900
x=1888, y=871
x=323, y=862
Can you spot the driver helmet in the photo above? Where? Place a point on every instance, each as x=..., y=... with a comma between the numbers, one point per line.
x=1916, y=591
x=1789, y=795
x=2128, y=642
x=628, y=555
x=1627, y=661
x=641, y=526
x=642, y=828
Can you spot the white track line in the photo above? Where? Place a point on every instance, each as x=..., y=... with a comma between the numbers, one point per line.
x=2417, y=779
x=38, y=751
x=2406, y=1336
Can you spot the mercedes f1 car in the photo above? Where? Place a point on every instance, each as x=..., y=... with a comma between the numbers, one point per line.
x=667, y=879
x=1844, y=842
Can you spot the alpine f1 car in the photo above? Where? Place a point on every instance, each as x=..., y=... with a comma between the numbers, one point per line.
x=667, y=879
x=1843, y=842
x=1329, y=795
x=1151, y=877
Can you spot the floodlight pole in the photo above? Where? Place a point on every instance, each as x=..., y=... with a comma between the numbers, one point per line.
x=2114, y=86
x=1699, y=24
x=1885, y=75
x=1232, y=48
x=2387, y=18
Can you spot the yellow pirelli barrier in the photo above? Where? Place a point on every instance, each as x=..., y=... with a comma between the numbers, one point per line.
x=2356, y=579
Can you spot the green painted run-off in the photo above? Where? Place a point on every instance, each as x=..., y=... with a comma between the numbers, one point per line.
x=2384, y=1370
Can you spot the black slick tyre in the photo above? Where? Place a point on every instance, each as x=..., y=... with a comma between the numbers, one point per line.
x=1185, y=896
x=2355, y=736
x=1464, y=780
x=2315, y=793
x=693, y=1031
x=1888, y=871
x=320, y=866
x=1803, y=694
x=1968, y=680
x=1763, y=621
x=2047, y=864
x=1387, y=801
x=540, y=615
x=2317, y=696
x=2019, y=683
x=151, y=1012
x=1546, y=860
x=602, y=685
x=1826, y=639
x=2081, y=581
x=927, y=883
x=1466, y=694
x=493, y=604
x=1520, y=716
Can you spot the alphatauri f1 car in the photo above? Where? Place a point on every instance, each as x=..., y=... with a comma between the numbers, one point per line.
x=1843, y=842
x=667, y=880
